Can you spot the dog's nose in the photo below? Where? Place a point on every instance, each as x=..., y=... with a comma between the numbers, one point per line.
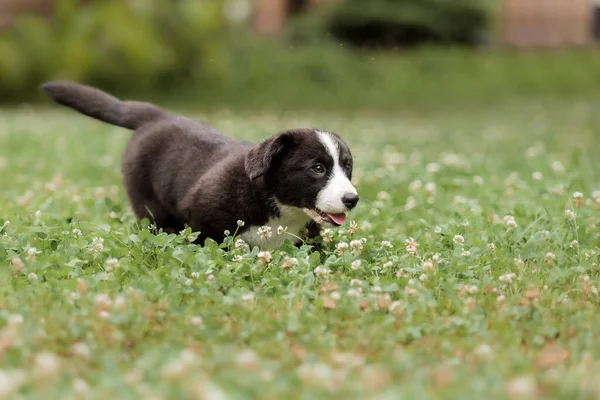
x=350, y=200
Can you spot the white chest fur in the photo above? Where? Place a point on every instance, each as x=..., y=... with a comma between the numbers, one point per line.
x=292, y=219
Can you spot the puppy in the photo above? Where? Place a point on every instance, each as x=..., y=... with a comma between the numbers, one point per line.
x=178, y=172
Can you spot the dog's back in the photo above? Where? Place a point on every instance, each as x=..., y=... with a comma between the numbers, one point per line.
x=167, y=155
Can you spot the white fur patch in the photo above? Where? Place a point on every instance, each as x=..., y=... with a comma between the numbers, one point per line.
x=291, y=217
x=329, y=199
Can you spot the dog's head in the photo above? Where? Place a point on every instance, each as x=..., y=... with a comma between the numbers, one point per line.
x=309, y=169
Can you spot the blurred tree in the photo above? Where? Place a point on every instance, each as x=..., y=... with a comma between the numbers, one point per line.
x=119, y=44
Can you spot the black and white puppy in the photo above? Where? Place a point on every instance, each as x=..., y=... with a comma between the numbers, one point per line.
x=179, y=172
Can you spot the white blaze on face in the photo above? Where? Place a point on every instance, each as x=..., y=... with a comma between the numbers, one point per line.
x=329, y=199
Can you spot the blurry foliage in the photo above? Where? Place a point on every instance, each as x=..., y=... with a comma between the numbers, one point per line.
x=187, y=54
x=395, y=23
x=129, y=45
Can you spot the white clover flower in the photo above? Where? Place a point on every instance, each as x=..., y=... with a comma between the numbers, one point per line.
x=430, y=189
x=484, y=352
x=46, y=364
x=31, y=253
x=507, y=278
x=410, y=290
x=510, y=222
x=458, y=240
x=414, y=186
x=427, y=266
x=289, y=262
x=411, y=203
x=265, y=232
x=264, y=257
x=558, y=168
x=112, y=264
x=570, y=214
x=521, y=387
x=383, y=195
x=519, y=262
x=357, y=246
x=411, y=246
x=81, y=349
x=97, y=245
x=103, y=301
x=432, y=168
x=327, y=235
x=81, y=387
x=353, y=227
x=248, y=297
x=394, y=159
x=15, y=319
x=341, y=247
x=395, y=306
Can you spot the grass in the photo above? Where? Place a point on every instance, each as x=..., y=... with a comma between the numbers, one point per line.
x=94, y=304
x=262, y=75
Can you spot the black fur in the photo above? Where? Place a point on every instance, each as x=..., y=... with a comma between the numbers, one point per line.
x=180, y=172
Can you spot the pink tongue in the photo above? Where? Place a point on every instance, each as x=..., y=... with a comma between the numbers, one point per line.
x=339, y=219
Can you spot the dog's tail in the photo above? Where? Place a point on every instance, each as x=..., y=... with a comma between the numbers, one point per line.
x=102, y=106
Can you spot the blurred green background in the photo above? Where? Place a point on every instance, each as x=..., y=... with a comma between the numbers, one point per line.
x=376, y=55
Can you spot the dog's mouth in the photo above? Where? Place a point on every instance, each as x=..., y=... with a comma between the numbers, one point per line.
x=324, y=218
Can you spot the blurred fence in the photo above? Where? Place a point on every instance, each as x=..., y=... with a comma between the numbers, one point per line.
x=547, y=23
x=524, y=23
x=11, y=8
x=270, y=16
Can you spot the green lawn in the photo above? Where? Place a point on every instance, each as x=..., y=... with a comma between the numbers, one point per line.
x=477, y=305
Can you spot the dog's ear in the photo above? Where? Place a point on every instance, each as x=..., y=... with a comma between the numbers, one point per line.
x=259, y=159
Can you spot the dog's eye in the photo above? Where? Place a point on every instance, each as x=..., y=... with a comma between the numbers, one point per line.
x=349, y=165
x=319, y=168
